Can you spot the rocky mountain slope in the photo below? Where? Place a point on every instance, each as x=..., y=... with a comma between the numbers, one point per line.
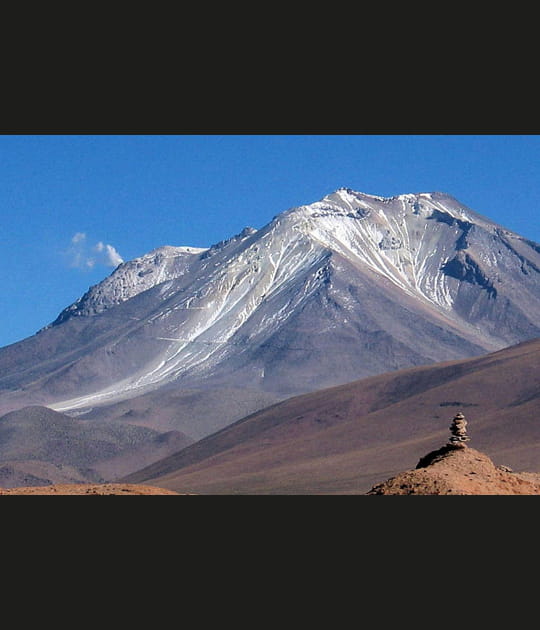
x=130, y=279
x=347, y=287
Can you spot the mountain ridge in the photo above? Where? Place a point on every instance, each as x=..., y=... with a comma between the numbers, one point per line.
x=346, y=287
x=342, y=203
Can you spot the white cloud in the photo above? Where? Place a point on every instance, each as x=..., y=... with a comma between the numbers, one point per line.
x=84, y=256
x=109, y=255
x=77, y=238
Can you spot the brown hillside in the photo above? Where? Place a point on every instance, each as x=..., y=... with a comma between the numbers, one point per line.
x=345, y=439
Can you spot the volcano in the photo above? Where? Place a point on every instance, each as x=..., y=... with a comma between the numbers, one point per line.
x=352, y=286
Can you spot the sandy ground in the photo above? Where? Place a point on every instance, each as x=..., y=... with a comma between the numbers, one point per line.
x=122, y=489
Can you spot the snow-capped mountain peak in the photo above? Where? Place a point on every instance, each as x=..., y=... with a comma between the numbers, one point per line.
x=349, y=259
x=389, y=235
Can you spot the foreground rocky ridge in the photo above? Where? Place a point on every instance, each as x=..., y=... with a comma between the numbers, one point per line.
x=459, y=471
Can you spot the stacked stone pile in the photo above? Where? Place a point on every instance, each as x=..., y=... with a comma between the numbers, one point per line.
x=458, y=431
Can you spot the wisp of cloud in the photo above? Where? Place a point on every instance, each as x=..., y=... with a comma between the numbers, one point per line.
x=84, y=256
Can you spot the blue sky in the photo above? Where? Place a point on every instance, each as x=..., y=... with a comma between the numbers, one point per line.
x=72, y=206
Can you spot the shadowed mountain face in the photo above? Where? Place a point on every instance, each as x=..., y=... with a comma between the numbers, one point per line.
x=348, y=438
x=347, y=287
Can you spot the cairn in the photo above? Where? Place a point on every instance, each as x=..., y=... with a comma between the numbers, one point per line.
x=459, y=432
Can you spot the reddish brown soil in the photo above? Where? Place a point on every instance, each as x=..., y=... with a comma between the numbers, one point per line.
x=85, y=488
x=459, y=471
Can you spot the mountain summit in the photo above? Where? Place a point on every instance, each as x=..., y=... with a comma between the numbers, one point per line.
x=347, y=287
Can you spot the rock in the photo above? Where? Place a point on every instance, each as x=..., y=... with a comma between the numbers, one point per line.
x=459, y=432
